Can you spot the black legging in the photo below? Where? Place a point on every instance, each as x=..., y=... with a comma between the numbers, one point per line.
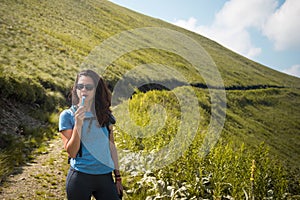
x=81, y=186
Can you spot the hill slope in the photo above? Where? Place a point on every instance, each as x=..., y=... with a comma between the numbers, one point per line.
x=46, y=41
x=43, y=44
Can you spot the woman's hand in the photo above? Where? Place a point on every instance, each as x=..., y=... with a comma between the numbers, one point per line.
x=79, y=116
x=119, y=188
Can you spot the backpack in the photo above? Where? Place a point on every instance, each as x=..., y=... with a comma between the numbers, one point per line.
x=112, y=120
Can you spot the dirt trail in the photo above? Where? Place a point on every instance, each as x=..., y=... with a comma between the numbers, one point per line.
x=43, y=178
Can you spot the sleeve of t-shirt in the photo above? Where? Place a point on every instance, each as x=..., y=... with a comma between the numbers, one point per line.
x=66, y=121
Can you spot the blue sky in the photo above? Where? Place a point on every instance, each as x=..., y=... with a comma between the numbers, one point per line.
x=266, y=31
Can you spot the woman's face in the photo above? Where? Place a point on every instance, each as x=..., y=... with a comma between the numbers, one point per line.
x=85, y=87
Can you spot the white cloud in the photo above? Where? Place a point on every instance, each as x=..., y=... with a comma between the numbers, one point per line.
x=238, y=40
x=190, y=24
x=283, y=26
x=293, y=70
x=239, y=14
x=232, y=23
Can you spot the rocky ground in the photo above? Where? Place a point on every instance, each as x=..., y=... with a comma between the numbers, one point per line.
x=44, y=176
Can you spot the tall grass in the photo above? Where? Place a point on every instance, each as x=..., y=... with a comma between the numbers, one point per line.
x=232, y=169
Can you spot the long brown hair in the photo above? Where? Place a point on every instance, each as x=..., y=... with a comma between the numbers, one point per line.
x=102, y=100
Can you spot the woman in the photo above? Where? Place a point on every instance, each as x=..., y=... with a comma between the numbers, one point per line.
x=86, y=131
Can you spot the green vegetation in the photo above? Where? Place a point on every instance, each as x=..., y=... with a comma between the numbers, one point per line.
x=225, y=173
x=43, y=44
x=248, y=141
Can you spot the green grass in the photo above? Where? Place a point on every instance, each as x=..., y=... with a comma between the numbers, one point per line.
x=266, y=115
x=43, y=44
x=246, y=138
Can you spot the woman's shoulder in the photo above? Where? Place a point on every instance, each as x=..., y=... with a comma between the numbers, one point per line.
x=67, y=113
x=66, y=120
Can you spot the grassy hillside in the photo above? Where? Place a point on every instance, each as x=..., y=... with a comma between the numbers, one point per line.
x=44, y=43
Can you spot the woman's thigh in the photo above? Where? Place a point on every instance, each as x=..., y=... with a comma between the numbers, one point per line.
x=77, y=186
x=105, y=188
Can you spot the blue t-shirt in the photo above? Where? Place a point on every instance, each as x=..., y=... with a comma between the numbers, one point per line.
x=96, y=156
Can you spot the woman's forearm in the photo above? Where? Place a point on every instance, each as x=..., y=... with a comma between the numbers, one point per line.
x=73, y=144
x=114, y=155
